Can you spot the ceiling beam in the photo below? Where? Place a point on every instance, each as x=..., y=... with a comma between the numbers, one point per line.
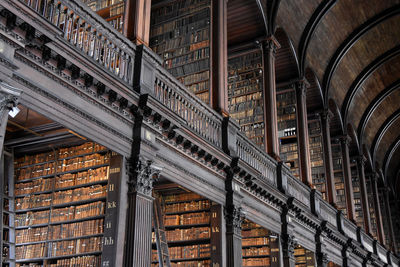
x=364, y=75
x=356, y=35
x=389, y=154
x=310, y=28
x=263, y=14
x=269, y=11
x=382, y=130
x=373, y=106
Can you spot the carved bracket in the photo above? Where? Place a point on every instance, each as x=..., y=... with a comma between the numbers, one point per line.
x=141, y=175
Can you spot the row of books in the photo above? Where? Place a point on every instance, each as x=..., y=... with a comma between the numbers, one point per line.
x=187, y=58
x=246, y=98
x=72, y=247
x=187, y=206
x=188, y=234
x=194, y=78
x=255, y=241
x=107, y=3
x=85, y=148
x=186, y=252
x=256, y=251
x=187, y=218
x=181, y=44
x=82, y=162
x=256, y=262
x=31, y=235
x=199, y=87
x=182, y=197
x=190, y=68
x=30, y=251
x=36, y=171
x=66, y=180
x=202, y=263
x=85, y=228
x=61, y=197
x=176, y=8
x=85, y=261
x=60, y=215
x=249, y=116
x=255, y=232
x=251, y=88
x=34, y=159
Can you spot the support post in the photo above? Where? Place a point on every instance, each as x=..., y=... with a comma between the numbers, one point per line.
x=392, y=240
x=141, y=175
x=137, y=21
x=219, y=57
x=364, y=194
x=234, y=216
x=269, y=47
x=302, y=132
x=321, y=255
x=326, y=115
x=348, y=184
x=288, y=241
x=377, y=208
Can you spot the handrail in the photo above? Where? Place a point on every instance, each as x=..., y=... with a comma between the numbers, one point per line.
x=89, y=34
x=256, y=158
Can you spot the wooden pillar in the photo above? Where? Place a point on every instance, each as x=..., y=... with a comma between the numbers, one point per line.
x=8, y=100
x=219, y=57
x=233, y=217
x=377, y=208
x=364, y=194
x=288, y=242
x=302, y=132
x=269, y=47
x=392, y=239
x=348, y=184
x=137, y=21
x=140, y=211
x=326, y=115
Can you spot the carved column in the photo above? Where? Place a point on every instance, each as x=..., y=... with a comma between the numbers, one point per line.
x=141, y=175
x=271, y=144
x=302, y=132
x=377, y=208
x=234, y=216
x=8, y=100
x=392, y=240
x=288, y=241
x=364, y=194
x=137, y=21
x=219, y=57
x=348, y=184
x=326, y=115
x=321, y=255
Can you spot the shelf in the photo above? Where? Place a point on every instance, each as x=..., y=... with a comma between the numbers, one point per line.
x=255, y=256
x=56, y=240
x=187, y=211
x=83, y=169
x=35, y=178
x=186, y=259
x=255, y=246
x=35, y=164
x=185, y=226
x=184, y=201
x=59, y=257
x=74, y=203
x=186, y=242
x=61, y=222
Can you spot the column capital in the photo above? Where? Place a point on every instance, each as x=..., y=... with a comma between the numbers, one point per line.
x=234, y=217
x=373, y=176
x=288, y=245
x=8, y=97
x=141, y=175
x=326, y=115
x=301, y=86
x=360, y=159
x=270, y=44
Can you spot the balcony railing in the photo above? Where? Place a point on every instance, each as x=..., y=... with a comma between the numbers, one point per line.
x=89, y=34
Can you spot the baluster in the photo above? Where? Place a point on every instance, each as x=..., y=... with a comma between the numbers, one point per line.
x=50, y=10
x=117, y=60
x=57, y=15
x=43, y=8
x=65, y=23
x=122, y=64
x=91, y=42
x=112, y=58
x=97, y=50
x=36, y=5
x=108, y=57
x=101, y=49
x=75, y=32
x=81, y=35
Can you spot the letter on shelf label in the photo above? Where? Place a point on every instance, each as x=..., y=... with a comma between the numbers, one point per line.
x=111, y=205
x=108, y=241
x=115, y=170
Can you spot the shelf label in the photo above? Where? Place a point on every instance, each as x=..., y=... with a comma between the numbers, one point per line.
x=111, y=205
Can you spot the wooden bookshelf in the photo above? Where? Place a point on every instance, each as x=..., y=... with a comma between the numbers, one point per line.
x=338, y=176
x=304, y=257
x=245, y=94
x=7, y=215
x=357, y=195
x=371, y=209
x=110, y=10
x=190, y=223
x=286, y=113
x=258, y=247
x=180, y=35
x=317, y=155
x=61, y=205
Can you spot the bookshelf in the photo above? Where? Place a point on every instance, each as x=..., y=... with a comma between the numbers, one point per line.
x=338, y=176
x=245, y=94
x=110, y=10
x=258, y=247
x=304, y=257
x=63, y=200
x=371, y=209
x=317, y=155
x=7, y=240
x=180, y=35
x=357, y=194
x=286, y=114
x=192, y=228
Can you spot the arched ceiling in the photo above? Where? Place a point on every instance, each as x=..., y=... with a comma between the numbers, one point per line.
x=350, y=51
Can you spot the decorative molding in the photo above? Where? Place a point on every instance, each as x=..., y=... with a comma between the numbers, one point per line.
x=141, y=175
x=234, y=217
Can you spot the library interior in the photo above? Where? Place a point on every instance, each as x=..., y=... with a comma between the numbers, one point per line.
x=199, y=133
